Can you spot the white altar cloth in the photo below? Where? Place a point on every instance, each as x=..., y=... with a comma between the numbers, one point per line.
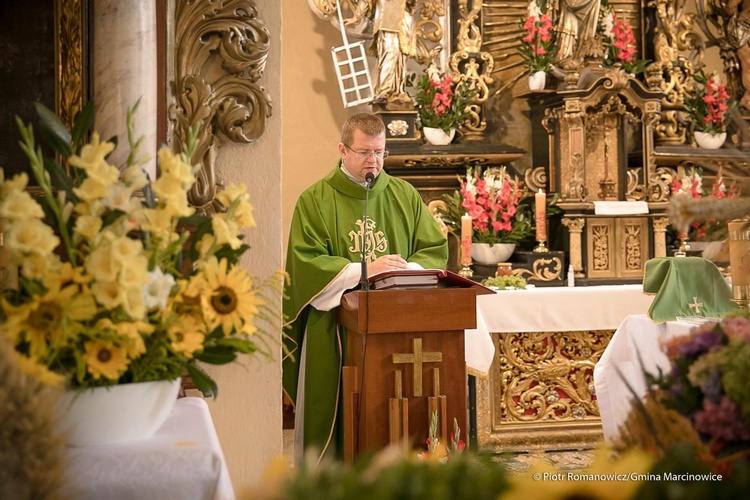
x=637, y=337
x=182, y=461
x=550, y=309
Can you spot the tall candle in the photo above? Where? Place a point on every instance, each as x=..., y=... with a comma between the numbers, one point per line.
x=739, y=258
x=466, y=233
x=540, y=212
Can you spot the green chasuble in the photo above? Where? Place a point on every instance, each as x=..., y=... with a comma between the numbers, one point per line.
x=325, y=236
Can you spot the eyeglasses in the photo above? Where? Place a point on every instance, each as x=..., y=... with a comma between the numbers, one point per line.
x=382, y=154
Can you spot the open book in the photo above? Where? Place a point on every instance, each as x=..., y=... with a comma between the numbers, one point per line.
x=423, y=278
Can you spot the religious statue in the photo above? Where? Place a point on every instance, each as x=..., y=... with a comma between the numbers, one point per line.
x=738, y=36
x=392, y=24
x=576, y=29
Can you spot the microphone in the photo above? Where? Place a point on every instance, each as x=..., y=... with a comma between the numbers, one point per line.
x=365, y=284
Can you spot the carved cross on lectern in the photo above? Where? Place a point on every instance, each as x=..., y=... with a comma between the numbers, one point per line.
x=417, y=358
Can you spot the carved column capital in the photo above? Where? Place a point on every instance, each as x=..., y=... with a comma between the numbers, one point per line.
x=660, y=224
x=574, y=225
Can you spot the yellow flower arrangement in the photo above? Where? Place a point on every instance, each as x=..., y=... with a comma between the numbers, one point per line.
x=113, y=287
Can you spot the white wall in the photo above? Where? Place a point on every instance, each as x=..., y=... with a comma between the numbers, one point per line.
x=247, y=412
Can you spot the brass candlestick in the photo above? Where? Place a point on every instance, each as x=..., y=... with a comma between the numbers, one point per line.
x=684, y=247
x=541, y=247
x=466, y=271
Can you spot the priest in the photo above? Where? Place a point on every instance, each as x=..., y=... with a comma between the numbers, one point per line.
x=324, y=261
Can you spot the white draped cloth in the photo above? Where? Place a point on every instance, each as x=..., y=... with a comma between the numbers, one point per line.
x=182, y=461
x=634, y=348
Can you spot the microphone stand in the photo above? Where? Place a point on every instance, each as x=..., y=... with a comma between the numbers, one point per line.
x=365, y=285
x=364, y=282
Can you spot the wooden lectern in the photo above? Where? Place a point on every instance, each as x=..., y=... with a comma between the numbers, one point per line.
x=407, y=346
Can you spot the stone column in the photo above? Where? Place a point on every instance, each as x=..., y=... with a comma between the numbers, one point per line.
x=575, y=227
x=660, y=237
x=124, y=70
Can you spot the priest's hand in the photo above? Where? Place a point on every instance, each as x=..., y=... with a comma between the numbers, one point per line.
x=386, y=263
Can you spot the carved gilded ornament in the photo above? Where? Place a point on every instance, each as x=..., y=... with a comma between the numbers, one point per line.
x=445, y=161
x=398, y=128
x=546, y=376
x=220, y=55
x=474, y=126
x=633, y=251
x=542, y=270
x=72, y=64
x=535, y=178
x=471, y=64
x=601, y=236
x=678, y=51
x=660, y=182
x=660, y=224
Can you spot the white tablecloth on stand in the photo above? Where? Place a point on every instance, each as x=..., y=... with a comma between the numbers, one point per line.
x=182, y=461
x=634, y=348
x=549, y=309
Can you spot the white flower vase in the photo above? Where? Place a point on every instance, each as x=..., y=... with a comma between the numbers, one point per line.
x=437, y=136
x=116, y=414
x=537, y=81
x=491, y=255
x=709, y=141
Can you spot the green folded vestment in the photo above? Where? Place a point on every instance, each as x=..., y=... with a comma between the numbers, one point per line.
x=686, y=287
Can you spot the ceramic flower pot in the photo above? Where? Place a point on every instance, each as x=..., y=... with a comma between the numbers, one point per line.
x=491, y=255
x=116, y=414
x=437, y=136
x=537, y=81
x=709, y=141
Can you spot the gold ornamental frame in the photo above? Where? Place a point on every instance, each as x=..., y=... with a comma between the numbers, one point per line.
x=71, y=58
x=539, y=394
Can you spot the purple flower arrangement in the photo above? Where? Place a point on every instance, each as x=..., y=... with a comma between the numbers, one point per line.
x=709, y=382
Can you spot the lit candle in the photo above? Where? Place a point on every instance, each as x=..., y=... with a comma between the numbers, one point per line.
x=739, y=257
x=540, y=212
x=466, y=233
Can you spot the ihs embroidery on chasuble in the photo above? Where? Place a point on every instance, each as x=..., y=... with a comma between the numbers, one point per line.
x=374, y=241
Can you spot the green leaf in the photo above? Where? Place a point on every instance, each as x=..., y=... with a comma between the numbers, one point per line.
x=194, y=220
x=245, y=346
x=204, y=228
x=203, y=382
x=217, y=355
x=53, y=131
x=58, y=178
x=114, y=141
x=112, y=217
x=148, y=194
x=83, y=122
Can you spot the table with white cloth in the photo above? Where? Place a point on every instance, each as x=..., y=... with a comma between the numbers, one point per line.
x=619, y=374
x=182, y=461
x=542, y=348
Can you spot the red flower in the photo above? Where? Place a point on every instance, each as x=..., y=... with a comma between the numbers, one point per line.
x=492, y=202
x=538, y=41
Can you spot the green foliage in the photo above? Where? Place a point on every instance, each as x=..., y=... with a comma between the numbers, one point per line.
x=389, y=476
x=441, y=102
x=735, y=363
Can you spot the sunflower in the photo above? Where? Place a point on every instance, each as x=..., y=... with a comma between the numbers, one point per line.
x=33, y=368
x=187, y=335
x=228, y=299
x=104, y=359
x=44, y=320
